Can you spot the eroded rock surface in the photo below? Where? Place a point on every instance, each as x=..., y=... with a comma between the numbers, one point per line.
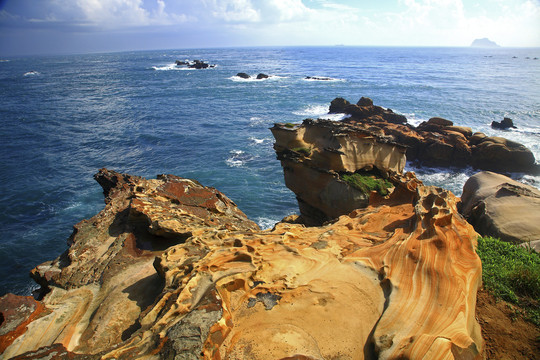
x=314, y=155
x=173, y=270
x=504, y=208
x=438, y=142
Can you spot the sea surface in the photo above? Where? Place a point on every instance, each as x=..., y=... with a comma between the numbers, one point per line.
x=65, y=117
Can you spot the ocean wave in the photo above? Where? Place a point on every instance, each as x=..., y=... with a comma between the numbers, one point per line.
x=319, y=111
x=266, y=223
x=237, y=158
x=4, y=60
x=256, y=121
x=169, y=67
x=31, y=73
x=255, y=141
x=413, y=119
x=322, y=78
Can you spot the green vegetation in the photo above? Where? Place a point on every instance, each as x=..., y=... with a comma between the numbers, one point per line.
x=302, y=150
x=368, y=183
x=512, y=273
x=289, y=125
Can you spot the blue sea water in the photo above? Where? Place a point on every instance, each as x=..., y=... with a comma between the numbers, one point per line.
x=65, y=117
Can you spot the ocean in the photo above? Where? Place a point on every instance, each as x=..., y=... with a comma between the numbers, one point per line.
x=65, y=117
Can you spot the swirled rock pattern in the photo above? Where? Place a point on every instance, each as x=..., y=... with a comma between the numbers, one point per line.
x=173, y=270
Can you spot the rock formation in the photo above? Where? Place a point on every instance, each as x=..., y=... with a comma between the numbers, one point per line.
x=504, y=124
x=504, y=208
x=484, y=42
x=173, y=270
x=437, y=142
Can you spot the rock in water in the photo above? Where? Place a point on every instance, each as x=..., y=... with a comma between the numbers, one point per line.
x=171, y=270
x=262, y=76
x=506, y=123
x=501, y=207
x=243, y=75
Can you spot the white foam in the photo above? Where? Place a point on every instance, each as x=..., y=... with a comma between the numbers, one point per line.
x=31, y=73
x=266, y=223
x=237, y=158
x=319, y=111
x=413, y=119
x=256, y=141
x=170, y=67
x=322, y=79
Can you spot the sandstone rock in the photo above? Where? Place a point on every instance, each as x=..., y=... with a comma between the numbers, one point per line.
x=334, y=148
x=438, y=142
x=396, y=280
x=439, y=121
x=503, y=155
x=501, y=207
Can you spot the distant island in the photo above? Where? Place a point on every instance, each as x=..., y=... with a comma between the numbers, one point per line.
x=485, y=42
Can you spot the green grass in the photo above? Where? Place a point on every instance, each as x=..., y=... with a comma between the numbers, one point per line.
x=367, y=183
x=511, y=273
x=289, y=125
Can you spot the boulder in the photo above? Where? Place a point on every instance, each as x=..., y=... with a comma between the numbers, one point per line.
x=365, y=101
x=440, y=121
x=503, y=155
x=501, y=207
x=338, y=105
x=505, y=124
x=262, y=76
x=243, y=75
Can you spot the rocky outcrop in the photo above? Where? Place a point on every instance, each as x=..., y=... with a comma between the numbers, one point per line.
x=194, y=64
x=173, y=270
x=243, y=75
x=315, y=155
x=438, y=142
x=504, y=208
x=504, y=124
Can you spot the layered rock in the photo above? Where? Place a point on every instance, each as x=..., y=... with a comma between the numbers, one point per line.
x=397, y=279
x=316, y=154
x=504, y=208
x=438, y=142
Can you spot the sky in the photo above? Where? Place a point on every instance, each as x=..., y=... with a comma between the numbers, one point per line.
x=85, y=26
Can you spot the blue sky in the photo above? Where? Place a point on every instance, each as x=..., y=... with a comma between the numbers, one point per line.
x=81, y=26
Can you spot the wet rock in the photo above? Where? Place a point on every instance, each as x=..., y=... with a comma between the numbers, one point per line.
x=505, y=124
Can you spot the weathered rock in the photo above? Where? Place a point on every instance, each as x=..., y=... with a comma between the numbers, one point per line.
x=437, y=142
x=338, y=105
x=262, y=76
x=243, y=75
x=502, y=155
x=501, y=207
x=397, y=280
x=506, y=123
x=313, y=156
x=364, y=101
x=98, y=289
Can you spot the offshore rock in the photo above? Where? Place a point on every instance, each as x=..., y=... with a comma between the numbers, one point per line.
x=504, y=124
x=315, y=154
x=504, y=208
x=438, y=142
x=397, y=279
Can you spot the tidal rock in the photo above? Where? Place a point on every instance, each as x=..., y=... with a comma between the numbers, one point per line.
x=503, y=155
x=243, y=75
x=501, y=207
x=506, y=123
x=262, y=76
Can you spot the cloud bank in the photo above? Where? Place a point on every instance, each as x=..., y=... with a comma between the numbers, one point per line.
x=75, y=25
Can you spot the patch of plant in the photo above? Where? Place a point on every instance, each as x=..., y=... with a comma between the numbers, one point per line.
x=511, y=273
x=368, y=183
x=289, y=125
x=302, y=150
